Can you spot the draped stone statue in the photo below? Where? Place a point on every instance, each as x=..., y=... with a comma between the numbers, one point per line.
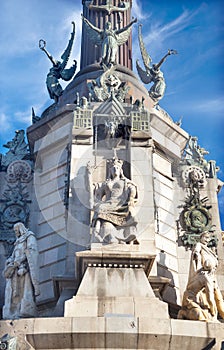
x=202, y=298
x=58, y=70
x=113, y=205
x=108, y=38
x=21, y=273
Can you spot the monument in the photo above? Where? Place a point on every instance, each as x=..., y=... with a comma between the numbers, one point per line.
x=127, y=251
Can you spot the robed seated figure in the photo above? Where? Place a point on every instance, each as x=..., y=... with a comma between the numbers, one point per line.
x=114, y=200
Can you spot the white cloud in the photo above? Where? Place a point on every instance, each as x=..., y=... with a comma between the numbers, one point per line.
x=4, y=123
x=138, y=12
x=159, y=32
x=24, y=117
x=212, y=105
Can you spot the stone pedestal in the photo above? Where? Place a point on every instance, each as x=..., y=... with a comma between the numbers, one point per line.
x=114, y=283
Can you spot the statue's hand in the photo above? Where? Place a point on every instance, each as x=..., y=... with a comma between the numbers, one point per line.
x=42, y=44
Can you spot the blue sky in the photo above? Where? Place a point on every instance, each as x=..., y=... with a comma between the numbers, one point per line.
x=194, y=77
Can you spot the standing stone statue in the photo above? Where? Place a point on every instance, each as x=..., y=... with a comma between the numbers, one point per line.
x=108, y=38
x=58, y=70
x=152, y=74
x=21, y=273
x=114, y=200
x=202, y=298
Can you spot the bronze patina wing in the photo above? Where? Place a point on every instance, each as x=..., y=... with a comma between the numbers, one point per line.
x=145, y=56
x=66, y=54
x=145, y=76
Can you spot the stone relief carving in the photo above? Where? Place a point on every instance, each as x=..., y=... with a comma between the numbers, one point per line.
x=19, y=170
x=195, y=217
x=14, y=205
x=113, y=206
x=112, y=133
x=14, y=202
x=194, y=177
x=58, y=70
x=18, y=149
x=109, y=39
x=152, y=74
x=115, y=131
x=193, y=155
x=106, y=85
x=21, y=273
x=202, y=298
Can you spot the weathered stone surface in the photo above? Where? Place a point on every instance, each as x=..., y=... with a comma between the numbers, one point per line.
x=118, y=331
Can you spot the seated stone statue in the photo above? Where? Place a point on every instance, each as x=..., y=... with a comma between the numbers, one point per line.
x=21, y=276
x=202, y=298
x=114, y=200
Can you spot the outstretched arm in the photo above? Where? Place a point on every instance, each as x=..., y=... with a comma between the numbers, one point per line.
x=42, y=46
x=91, y=25
x=126, y=27
x=170, y=52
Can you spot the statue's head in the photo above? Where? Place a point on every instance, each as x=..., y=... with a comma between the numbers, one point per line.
x=198, y=219
x=155, y=68
x=116, y=168
x=19, y=229
x=205, y=237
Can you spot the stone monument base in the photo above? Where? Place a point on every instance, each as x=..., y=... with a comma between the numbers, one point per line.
x=113, y=332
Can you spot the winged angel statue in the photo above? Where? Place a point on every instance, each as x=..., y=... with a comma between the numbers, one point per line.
x=108, y=38
x=152, y=74
x=58, y=70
